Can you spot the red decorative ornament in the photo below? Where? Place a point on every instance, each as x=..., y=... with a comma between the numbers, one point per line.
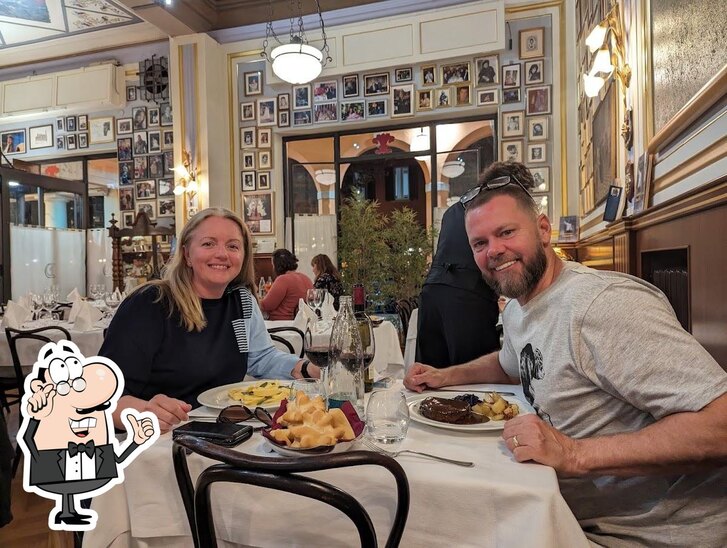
x=382, y=141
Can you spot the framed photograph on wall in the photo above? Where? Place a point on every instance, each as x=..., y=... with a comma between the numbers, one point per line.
x=405, y=74
x=131, y=93
x=462, y=95
x=538, y=100
x=487, y=70
x=568, y=229
x=123, y=149
x=60, y=142
x=147, y=207
x=301, y=97
x=263, y=180
x=248, y=160
x=376, y=107
x=126, y=199
x=60, y=124
x=168, y=138
x=325, y=91
x=71, y=142
x=126, y=173
x=265, y=159
x=83, y=140
x=247, y=137
x=541, y=176
x=532, y=43
x=165, y=187
x=247, y=112
x=145, y=189
x=253, y=83
x=264, y=137
x=511, y=151
x=402, y=101
x=513, y=123
x=129, y=220
x=534, y=72
x=537, y=153
x=444, y=97
x=326, y=112
x=510, y=96
x=643, y=179
x=302, y=118
x=166, y=207
x=83, y=122
x=487, y=97
x=511, y=76
x=350, y=85
x=166, y=115
x=353, y=111
x=71, y=123
x=153, y=119
x=283, y=118
x=248, y=181
x=40, y=137
x=102, y=130
x=283, y=101
x=429, y=75
x=138, y=115
x=456, y=73
x=376, y=84
x=538, y=128
x=156, y=165
x=266, y=112
x=124, y=126
x=425, y=99
x=257, y=212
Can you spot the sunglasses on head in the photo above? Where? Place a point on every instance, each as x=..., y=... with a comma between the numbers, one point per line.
x=242, y=413
x=493, y=184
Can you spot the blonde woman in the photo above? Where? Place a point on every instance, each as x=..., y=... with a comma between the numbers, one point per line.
x=198, y=327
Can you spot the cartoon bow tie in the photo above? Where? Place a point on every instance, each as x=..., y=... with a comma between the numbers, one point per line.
x=75, y=448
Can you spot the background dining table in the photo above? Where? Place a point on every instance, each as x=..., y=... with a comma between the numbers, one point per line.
x=498, y=502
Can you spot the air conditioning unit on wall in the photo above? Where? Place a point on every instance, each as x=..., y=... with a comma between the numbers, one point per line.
x=97, y=87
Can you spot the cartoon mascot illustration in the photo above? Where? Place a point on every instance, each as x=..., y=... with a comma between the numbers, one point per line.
x=67, y=432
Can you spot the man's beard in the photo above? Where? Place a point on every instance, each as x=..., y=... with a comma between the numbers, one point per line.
x=515, y=286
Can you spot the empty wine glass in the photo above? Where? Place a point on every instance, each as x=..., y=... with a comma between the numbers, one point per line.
x=112, y=300
x=314, y=298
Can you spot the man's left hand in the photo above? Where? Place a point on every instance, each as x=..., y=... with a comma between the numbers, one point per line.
x=531, y=438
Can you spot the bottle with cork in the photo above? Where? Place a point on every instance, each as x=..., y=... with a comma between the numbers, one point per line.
x=366, y=331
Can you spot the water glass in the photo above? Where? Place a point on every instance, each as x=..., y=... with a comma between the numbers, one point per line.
x=310, y=387
x=387, y=416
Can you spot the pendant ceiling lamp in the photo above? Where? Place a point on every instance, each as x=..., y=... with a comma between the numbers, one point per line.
x=453, y=168
x=296, y=62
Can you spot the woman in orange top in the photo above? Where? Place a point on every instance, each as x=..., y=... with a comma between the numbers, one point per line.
x=281, y=302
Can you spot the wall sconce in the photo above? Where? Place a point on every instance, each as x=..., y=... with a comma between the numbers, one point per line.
x=187, y=182
x=296, y=62
x=608, y=38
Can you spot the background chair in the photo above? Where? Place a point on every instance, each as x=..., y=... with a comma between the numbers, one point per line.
x=286, y=342
x=281, y=474
x=13, y=387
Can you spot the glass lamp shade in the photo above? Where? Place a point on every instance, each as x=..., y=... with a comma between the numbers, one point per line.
x=296, y=63
x=179, y=190
x=453, y=168
x=592, y=84
x=325, y=176
x=602, y=62
x=595, y=39
x=419, y=142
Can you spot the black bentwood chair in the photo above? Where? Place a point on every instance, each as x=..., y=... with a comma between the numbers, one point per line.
x=281, y=474
x=285, y=342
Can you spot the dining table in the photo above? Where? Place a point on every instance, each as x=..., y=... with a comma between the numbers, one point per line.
x=497, y=502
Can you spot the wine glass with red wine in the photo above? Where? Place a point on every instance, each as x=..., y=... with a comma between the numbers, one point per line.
x=316, y=347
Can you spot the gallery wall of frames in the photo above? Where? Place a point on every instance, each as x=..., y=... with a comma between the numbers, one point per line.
x=516, y=82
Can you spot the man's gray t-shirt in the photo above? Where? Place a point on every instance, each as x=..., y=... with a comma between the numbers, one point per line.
x=602, y=353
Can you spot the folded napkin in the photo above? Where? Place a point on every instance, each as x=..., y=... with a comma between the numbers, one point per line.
x=328, y=312
x=119, y=295
x=305, y=314
x=86, y=317
x=16, y=315
x=73, y=296
x=26, y=301
x=76, y=306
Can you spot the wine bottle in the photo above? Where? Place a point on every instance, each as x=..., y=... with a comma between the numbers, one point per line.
x=346, y=360
x=359, y=298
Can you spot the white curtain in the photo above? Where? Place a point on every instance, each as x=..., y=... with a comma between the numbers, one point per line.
x=314, y=234
x=42, y=257
x=98, y=262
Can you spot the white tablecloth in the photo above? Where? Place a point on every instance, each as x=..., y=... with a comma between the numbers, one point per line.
x=498, y=502
x=388, y=360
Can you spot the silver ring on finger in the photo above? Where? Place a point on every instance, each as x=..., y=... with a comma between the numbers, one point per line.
x=515, y=443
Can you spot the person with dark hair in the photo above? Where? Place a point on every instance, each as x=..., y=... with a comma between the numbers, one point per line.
x=289, y=286
x=327, y=277
x=631, y=411
x=197, y=328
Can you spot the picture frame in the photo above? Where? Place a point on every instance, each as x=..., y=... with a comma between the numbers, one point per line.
x=126, y=199
x=604, y=144
x=247, y=137
x=147, y=207
x=83, y=140
x=429, y=75
x=247, y=112
x=167, y=138
x=145, y=189
x=613, y=204
x=60, y=124
x=71, y=142
x=511, y=151
x=283, y=118
x=247, y=181
x=425, y=99
x=486, y=97
x=376, y=108
x=350, y=85
x=376, y=84
x=513, y=123
x=124, y=149
x=154, y=140
x=487, y=69
x=248, y=160
x=541, y=176
x=444, y=97
x=302, y=118
x=511, y=75
x=537, y=153
x=643, y=183
x=126, y=173
x=568, y=229
x=166, y=115
x=156, y=165
x=140, y=143
x=253, y=83
x=138, y=115
x=462, y=95
x=534, y=72
x=130, y=93
x=402, y=100
x=404, y=74
x=101, y=130
x=141, y=167
x=263, y=180
x=325, y=91
x=166, y=207
x=455, y=73
x=165, y=187
x=265, y=159
x=258, y=212
x=168, y=163
x=266, y=112
x=352, y=111
x=60, y=142
x=41, y=137
x=532, y=43
x=537, y=128
x=543, y=203
x=538, y=100
x=510, y=96
x=128, y=219
x=283, y=101
x=325, y=112
x=264, y=138
x=71, y=124
x=301, y=98
x=124, y=126
x=83, y=122
x=152, y=116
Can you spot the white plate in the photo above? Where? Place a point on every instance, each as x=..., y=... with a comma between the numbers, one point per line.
x=340, y=447
x=416, y=416
x=217, y=398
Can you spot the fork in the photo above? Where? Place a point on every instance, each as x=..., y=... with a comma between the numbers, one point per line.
x=394, y=454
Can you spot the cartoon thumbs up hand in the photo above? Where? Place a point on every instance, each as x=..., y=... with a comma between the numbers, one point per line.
x=40, y=403
x=143, y=427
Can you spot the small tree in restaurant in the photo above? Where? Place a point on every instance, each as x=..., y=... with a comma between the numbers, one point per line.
x=408, y=258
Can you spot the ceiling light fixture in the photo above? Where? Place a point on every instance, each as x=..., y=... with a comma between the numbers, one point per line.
x=296, y=62
x=325, y=176
x=453, y=168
